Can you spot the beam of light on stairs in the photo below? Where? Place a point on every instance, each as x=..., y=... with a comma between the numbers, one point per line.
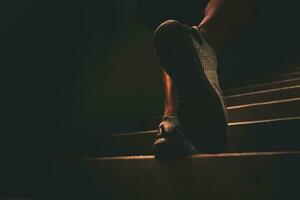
x=262, y=121
x=263, y=103
x=220, y=155
x=262, y=91
x=232, y=91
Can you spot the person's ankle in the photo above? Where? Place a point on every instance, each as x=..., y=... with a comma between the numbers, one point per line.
x=169, y=114
x=169, y=110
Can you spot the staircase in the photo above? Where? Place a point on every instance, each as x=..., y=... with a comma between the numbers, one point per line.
x=262, y=160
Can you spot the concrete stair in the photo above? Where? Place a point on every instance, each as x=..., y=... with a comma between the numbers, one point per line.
x=264, y=116
x=261, y=162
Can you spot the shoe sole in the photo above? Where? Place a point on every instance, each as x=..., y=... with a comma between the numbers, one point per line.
x=203, y=113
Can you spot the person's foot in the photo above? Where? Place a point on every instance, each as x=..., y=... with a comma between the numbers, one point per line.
x=191, y=63
x=170, y=141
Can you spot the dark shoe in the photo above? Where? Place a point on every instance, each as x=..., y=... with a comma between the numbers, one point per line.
x=191, y=63
x=170, y=141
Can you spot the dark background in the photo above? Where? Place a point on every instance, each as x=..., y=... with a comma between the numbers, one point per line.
x=67, y=69
x=72, y=68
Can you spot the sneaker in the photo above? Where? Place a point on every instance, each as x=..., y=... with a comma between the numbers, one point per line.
x=192, y=64
x=170, y=141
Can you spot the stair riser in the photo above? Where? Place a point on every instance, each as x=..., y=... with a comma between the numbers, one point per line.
x=276, y=82
x=264, y=86
x=264, y=111
x=264, y=96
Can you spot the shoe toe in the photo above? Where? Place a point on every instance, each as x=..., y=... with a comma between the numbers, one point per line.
x=166, y=147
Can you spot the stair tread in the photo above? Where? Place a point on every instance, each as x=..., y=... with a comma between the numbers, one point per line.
x=199, y=156
x=247, y=176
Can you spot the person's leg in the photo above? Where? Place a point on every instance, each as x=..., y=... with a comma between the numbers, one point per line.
x=176, y=47
x=223, y=19
x=170, y=95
